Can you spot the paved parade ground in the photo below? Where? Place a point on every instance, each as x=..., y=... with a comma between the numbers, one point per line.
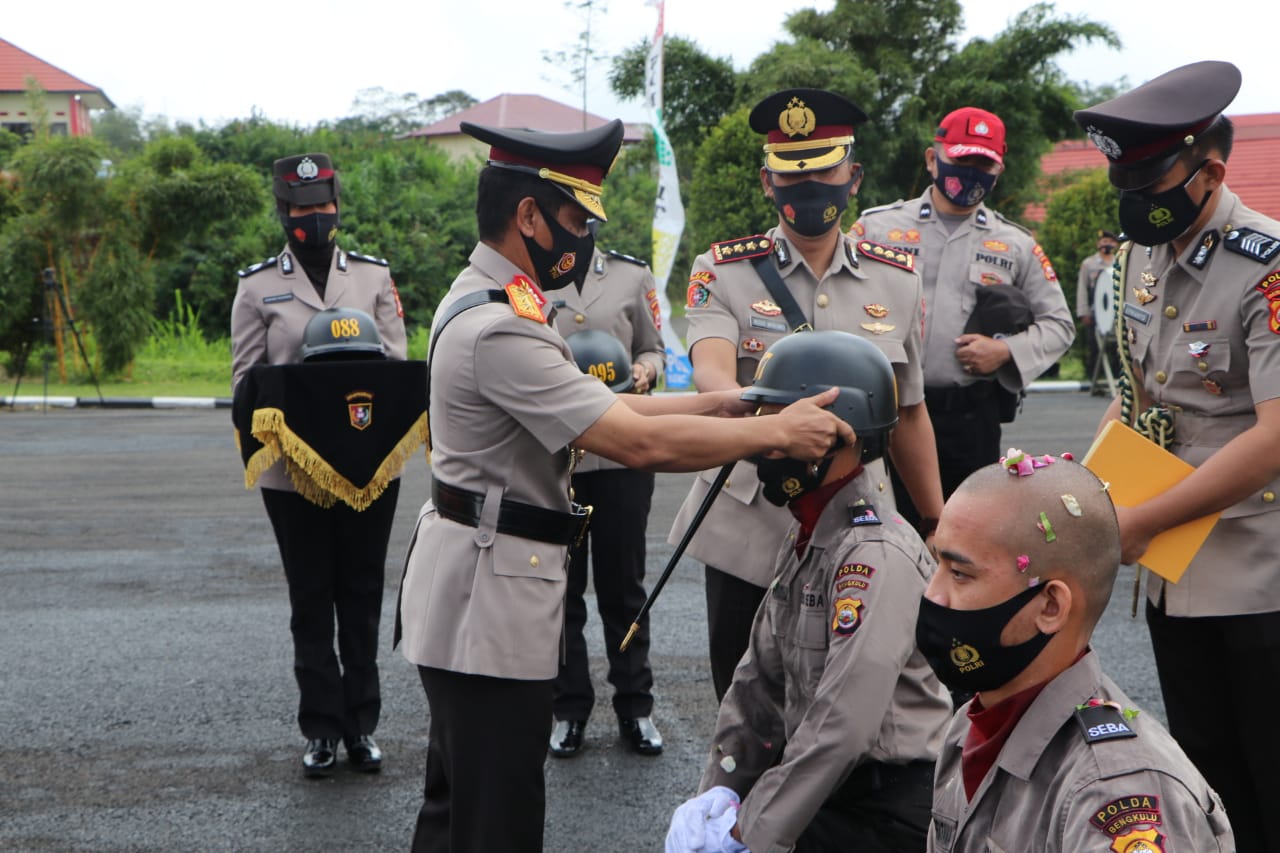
x=147, y=698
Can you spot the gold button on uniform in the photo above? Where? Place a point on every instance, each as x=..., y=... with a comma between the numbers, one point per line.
x=1161, y=376
x=533, y=561
x=579, y=318
x=1268, y=497
x=1171, y=312
x=822, y=300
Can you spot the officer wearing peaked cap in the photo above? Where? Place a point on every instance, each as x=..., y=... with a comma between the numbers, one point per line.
x=748, y=293
x=1198, y=328
x=482, y=599
x=961, y=246
x=334, y=558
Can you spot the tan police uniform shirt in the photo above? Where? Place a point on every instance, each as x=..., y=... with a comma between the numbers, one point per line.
x=832, y=678
x=1087, y=279
x=860, y=294
x=619, y=296
x=984, y=250
x=506, y=401
x=1211, y=295
x=1052, y=791
x=275, y=300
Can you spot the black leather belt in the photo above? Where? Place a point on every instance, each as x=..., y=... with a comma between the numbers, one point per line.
x=514, y=518
x=961, y=397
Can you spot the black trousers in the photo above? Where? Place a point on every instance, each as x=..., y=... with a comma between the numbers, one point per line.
x=881, y=808
x=620, y=500
x=966, y=429
x=1220, y=678
x=487, y=741
x=731, y=608
x=334, y=562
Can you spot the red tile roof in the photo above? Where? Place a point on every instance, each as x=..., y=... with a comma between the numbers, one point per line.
x=1251, y=172
x=520, y=111
x=16, y=65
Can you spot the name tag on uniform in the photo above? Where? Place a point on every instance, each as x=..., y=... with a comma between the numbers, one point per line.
x=771, y=325
x=279, y=297
x=1133, y=312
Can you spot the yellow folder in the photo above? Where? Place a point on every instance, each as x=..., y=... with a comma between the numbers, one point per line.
x=1138, y=470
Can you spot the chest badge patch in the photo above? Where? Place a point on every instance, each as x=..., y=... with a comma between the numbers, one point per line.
x=753, y=345
x=850, y=613
x=878, y=328
x=1143, y=295
x=876, y=310
x=995, y=245
x=766, y=307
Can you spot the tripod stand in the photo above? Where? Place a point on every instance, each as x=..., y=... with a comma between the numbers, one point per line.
x=54, y=299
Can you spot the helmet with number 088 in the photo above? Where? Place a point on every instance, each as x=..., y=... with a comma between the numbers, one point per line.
x=807, y=363
x=603, y=356
x=341, y=334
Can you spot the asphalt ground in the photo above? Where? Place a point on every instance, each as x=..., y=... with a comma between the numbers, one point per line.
x=147, y=698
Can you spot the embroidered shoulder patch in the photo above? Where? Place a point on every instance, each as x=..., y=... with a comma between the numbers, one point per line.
x=858, y=230
x=258, y=267
x=744, y=247
x=1121, y=815
x=526, y=300
x=369, y=259
x=863, y=514
x=1045, y=265
x=1252, y=244
x=851, y=576
x=1103, y=722
x=655, y=308
x=849, y=615
x=887, y=255
x=627, y=258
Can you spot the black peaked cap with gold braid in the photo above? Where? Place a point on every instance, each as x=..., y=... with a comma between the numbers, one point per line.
x=806, y=130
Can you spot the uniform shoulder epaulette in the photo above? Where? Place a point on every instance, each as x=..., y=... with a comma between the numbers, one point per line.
x=382, y=262
x=882, y=208
x=863, y=513
x=628, y=258
x=744, y=247
x=1251, y=243
x=258, y=267
x=1010, y=222
x=887, y=255
x=1099, y=721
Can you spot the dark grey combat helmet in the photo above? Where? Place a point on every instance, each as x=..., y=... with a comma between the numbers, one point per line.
x=341, y=334
x=603, y=356
x=808, y=363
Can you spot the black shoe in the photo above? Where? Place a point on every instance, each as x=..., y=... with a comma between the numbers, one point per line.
x=566, y=738
x=363, y=754
x=641, y=735
x=321, y=757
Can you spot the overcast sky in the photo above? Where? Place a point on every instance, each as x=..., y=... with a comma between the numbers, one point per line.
x=305, y=62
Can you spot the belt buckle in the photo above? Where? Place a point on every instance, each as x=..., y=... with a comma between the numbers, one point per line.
x=582, y=528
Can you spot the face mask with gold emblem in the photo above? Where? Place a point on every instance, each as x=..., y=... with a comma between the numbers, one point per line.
x=963, y=646
x=811, y=208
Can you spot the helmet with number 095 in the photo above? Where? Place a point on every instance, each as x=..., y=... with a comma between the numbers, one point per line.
x=603, y=356
x=341, y=334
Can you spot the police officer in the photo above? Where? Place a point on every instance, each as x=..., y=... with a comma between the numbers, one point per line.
x=1050, y=754
x=961, y=246
x=619, y=297
x=482, y=600
x=829, y=731
x=745, y=294
x=1100, y=261
x=1199, y=322
x=334, y=558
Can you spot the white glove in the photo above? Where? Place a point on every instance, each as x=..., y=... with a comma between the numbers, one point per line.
x=719, y=838
x=689, y=832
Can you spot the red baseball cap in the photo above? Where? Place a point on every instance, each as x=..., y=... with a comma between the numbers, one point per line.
x=969, y=131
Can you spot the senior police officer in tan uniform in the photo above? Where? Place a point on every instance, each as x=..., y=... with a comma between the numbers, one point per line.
x=829, y=731
x=746, y=294
x=960, y=247
x=334, y=559
x=1201, y=323
x=617, y=296
x=482, y=599
x=1050, y=755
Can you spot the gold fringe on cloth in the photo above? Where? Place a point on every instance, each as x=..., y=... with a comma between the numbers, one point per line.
x=313, y=477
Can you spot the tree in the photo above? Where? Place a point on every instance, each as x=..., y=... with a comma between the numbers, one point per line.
x=1085, y=203
x=121, y=129
x=576, y=61
x=390, y=113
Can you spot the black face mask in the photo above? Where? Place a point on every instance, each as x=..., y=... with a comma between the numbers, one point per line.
x=786, y=479
x=568, y=259
x=812, y=208
x=963, y=646
x=965, y=186
x=1151, y=219
x=312, y=230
